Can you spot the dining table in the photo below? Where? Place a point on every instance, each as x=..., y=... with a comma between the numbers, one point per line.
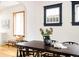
x=71, y=50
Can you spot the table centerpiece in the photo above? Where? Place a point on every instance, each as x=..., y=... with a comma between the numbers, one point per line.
x=46, y=35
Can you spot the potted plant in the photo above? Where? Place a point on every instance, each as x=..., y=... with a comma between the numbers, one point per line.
x=46, y=35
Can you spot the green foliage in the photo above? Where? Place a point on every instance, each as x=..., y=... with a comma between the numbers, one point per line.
x=47, y=32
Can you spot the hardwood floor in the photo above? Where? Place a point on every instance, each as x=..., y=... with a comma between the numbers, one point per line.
x=6, y=51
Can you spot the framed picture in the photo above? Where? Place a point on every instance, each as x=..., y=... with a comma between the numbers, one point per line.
x=53, y=15
x=75, y=13
x=5, y=23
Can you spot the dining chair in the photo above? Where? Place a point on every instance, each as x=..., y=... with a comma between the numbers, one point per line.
x=70, y=42
x=27, y=52
x=23, y=51
x=47, y=54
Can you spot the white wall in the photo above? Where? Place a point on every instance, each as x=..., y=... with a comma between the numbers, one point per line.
x=35, y=18
x=7, y=14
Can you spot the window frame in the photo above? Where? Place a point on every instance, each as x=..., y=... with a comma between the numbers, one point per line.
x=23, y=22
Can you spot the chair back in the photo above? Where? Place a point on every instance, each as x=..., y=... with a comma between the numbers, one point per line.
x=54, y=41
x=70, y=43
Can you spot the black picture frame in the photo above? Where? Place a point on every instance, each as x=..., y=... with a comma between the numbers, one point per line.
x=74, y=23
x=60, y=14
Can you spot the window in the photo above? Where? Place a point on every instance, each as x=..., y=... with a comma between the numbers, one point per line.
x=19, y=23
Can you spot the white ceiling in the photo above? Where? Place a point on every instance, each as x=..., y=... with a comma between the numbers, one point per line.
x=5, y=4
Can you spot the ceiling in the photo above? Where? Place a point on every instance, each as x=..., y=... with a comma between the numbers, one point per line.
x=5, y=4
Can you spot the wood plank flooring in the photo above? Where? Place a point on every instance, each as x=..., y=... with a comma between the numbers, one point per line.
x=6, y=51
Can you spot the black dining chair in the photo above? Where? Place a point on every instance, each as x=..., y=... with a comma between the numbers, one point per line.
x=47, y=54
x=23, y=51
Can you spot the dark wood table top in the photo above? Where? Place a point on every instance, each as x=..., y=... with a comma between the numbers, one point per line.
x=39, y=45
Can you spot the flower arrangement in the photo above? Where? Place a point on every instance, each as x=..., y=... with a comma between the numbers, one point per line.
x=47, y=32
x=46, y=35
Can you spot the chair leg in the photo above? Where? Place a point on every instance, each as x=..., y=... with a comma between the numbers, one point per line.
x=41, y=53
x=20, y=53
x=17, y=53
x=33, y=53
x=24, y=53
x=27, y=52
x=37, y=53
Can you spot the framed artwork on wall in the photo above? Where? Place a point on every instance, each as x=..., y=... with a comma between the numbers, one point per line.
x=5, y=23
x=75, y=13
x=53, y=15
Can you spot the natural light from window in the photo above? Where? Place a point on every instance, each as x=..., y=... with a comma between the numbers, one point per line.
x=19, y=23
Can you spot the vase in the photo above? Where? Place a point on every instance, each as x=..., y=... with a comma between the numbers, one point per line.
x=46, y=40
